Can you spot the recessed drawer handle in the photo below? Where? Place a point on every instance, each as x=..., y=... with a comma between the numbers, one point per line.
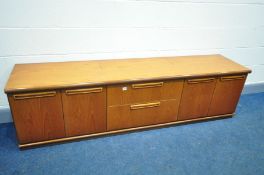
x=84, y=91
x=34, y=95
x=145, y=105
x=230, y=78
x=147, y=85
x=200, y=80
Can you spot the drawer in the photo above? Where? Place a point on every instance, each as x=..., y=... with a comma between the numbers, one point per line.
x=143, y=92
x=142, y=114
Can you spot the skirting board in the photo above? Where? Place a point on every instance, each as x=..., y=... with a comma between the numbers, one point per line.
x=5, y=114
x=251, y=88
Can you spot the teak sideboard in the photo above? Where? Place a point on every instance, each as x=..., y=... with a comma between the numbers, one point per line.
x=54, y=102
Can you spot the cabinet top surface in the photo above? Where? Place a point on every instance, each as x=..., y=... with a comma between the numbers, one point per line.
x=42, y=76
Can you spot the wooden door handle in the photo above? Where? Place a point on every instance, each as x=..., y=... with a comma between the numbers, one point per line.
x=84, y=91
x=34, y=95
x=200, y=80
x=230, y=78
x=145, y=105
x=147, y=85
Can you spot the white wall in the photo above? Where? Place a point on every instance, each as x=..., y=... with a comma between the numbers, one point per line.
x=61, y=30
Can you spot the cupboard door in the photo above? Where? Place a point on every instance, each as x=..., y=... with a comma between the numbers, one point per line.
x=142, y=114
x=226, y=95
x=37, y=116
x=84, y=110
x=196, y=98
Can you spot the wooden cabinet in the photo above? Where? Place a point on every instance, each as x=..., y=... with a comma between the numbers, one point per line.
x=90, y=98
x=226, y=94
x=38, y=116
x=196, y=97
x=84, y=110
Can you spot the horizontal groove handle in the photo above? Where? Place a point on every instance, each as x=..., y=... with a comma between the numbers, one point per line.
x=34, y=95
x=229, y=78
x=200, y=80
x=145, y=105
x=147, y=85
x=84, y=91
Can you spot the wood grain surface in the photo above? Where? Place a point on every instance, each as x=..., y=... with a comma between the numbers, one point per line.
x=43, y=76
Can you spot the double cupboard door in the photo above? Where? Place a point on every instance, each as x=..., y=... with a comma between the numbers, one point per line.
x=210, y=96
x=48, y=115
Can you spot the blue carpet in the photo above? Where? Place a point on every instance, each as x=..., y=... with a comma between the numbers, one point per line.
x=228, y=146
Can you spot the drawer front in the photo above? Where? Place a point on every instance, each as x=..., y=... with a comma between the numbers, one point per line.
x=37, y=116
x=196, y=98
x=142, y=114
x=143, y=92
x=84, y=110
x=226, y=94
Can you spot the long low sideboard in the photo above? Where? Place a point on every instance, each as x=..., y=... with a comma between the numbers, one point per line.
x=61, y=101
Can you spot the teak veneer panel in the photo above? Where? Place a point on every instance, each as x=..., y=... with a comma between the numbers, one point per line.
x=43, y=76
x=37, y=119
x=84, y=111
